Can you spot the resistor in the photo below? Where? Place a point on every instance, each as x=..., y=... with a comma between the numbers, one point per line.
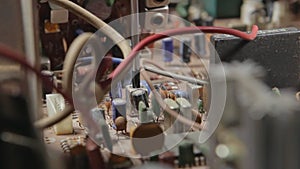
x=167, y=46
x=185, y=50
x=107, y=103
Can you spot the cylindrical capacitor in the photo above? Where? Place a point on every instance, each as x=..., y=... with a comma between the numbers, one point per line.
x=168, y=119
x=186, y=154
x=185, y=111
x=154, y=103
x=200, y=44
x=118, y=108
x=145, y=85
x=116, y=91
x=185, y=50
x=98, y=113
x=167, y=46
x=145, y=115
x=139, y=95
x=50, y=77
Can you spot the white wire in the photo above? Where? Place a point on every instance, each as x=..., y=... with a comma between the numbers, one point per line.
x=96, y=22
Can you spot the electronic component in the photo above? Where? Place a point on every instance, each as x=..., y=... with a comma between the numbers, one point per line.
x=147, y=134
x=145, y=114
x=200, y=44
x=186, y=154
x=105, y=134
x=119, y=162
x=50, y=76
x=121, y=124
x=167, y=47
x=185, y=50
x=156, y=3
x=118, y=108
x=154, y=104
x=59, y=16
x=194, y=94
x=167, y=157
x=169, y=121
x=181, y=93
x=95, y=157
x=116, y=91
x=55, y=104
x=276, y=50
x=156, y=18
x=131, y=107
x=186, y=111
x=98, y=113
x=139, y=95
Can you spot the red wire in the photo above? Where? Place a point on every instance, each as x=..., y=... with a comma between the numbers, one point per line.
x=11, y=54
x=180, y=31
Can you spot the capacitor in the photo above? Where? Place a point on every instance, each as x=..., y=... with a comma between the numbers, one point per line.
x=98, y=113
x=147, y=134
x=116, y=91
x=181, y=94
x=168, y=119
x=167, y=46
x=208, y=21
x=200, y=44
x=139, y=95
x=186, y=154
x=145, y=114
x=185, y=50
x=121, y=124
x=118, y=108
x=145, y=85
x=185, y=111
x=47, y=75
x=155, y=105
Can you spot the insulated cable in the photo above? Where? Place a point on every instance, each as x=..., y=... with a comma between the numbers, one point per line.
x=97, y=23
x=11, y=54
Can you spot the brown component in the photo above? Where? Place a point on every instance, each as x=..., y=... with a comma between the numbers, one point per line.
x=107, y=105
x=94, y=155
x=147, y=134
x=198, y=119
x=116, y=161
x=167, y=158
x=121, y=124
